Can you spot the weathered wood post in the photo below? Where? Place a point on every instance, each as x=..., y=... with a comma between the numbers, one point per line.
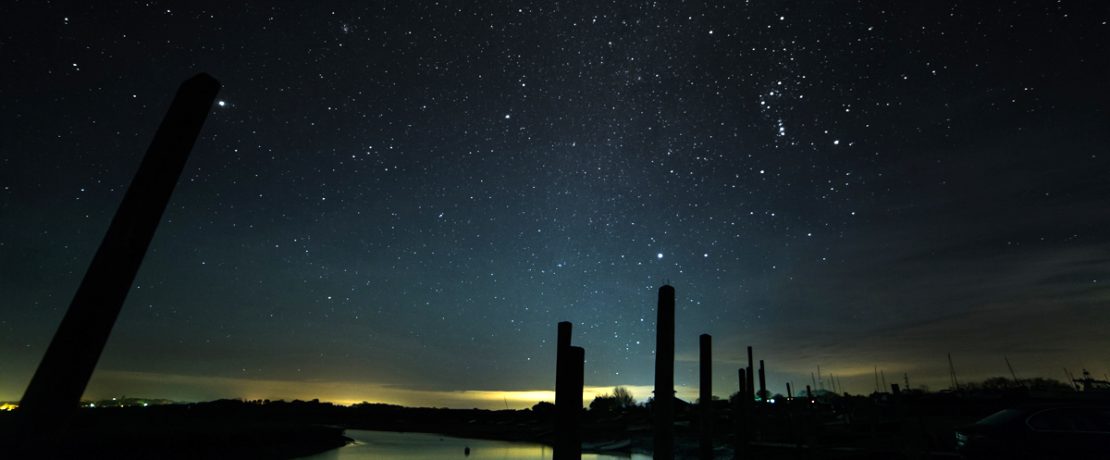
x=743, y=381
x=663, y=405
x=54, y=393
x=577, y=365
x=741, y=412
x=561, y=354
x=568, y=395
x=751, y=375
x=763, y=395
x=705, y=396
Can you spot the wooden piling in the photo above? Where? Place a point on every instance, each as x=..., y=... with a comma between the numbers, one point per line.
x=705, y=399
x=663, y=405
x=55, y=390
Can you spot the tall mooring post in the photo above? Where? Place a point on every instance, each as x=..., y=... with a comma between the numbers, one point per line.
x=663, y=405
x=751, y=375
x=762, y=383
x=561, y=354
x=705, y=396
x=569, y=367
x=573, y=449
x=54, y=393
x=740, y=410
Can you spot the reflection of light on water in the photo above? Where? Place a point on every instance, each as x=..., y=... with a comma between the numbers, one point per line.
x=384, y=444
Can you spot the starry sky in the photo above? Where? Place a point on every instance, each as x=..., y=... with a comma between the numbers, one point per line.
x=397, y=201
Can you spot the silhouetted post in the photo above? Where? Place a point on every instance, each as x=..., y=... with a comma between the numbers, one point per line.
x=56, y=388
x=568, y=396
x=664, y=375
x=789, y=392
x=561, y=345
x=809, y=392
x=743, y=380
x=572, y=447
x=705, y=399
x=743, y=405
x=762, y=382
x=577, y=379
x=564, y=334
x=751, y=376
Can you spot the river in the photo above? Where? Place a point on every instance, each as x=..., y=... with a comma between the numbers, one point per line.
x=391, y=445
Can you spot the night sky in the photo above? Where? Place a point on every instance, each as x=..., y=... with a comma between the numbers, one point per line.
x=398, y=201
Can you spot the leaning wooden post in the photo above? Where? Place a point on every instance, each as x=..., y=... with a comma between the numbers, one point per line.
x=54, y=393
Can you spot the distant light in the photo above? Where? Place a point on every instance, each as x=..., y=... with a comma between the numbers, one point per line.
x=659, y=256
x=145, y=404
x=221, y=103
x=771, y=401
x=836, y=142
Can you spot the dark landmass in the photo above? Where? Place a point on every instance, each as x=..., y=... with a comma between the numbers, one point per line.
x=223, y=429
x=908, y=425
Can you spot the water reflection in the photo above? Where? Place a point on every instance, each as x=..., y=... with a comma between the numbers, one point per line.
x=384, y=444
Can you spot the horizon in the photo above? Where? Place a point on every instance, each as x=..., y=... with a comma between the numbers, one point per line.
x=402, y=201
x=205, y=391
x=506, y=400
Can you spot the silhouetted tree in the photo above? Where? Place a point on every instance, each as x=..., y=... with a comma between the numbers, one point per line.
x=619, y=400
x=544, y=410
x=1008, y=384
x=1043, y=384
x=543, y=407
x=624, y=397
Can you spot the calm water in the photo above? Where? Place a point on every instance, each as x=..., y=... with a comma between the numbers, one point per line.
x=389, y=445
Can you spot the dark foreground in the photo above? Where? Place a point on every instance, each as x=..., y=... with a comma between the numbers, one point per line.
x=910, y=426
x=207, y=430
